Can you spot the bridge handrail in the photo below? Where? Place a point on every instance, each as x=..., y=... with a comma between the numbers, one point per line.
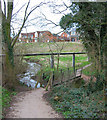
x=35, y=54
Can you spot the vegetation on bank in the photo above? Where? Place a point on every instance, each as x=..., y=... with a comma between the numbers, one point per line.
x=6, y=98
x=83, y=102
x=64, y=61
x=45, y=47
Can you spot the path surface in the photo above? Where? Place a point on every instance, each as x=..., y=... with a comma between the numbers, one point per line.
x=31, y=104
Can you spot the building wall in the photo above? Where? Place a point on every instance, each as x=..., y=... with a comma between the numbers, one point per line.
x=64, y=35
x=45, y=36
x=72, y=36
x=28, y=37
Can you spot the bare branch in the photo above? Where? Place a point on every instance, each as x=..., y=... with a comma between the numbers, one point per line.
x=26, y=10
x=65, y=5
x=25, y=19
x=14, y=15
x=51, y=22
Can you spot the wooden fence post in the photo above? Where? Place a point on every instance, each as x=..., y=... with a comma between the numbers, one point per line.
x=73, y=62
x=68, y=71
x=52, y=61
x=61, y=75
x=53, y=78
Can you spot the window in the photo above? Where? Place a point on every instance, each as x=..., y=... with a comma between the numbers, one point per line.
x=40, y=34
x=24, y=36
x=32, y=36
x=68, y=35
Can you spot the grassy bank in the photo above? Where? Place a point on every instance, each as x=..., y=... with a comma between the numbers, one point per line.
x=45, y=47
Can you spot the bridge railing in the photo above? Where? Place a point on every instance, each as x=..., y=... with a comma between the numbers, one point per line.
x=52, y=56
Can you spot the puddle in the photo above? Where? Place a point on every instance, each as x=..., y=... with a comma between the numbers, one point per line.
x=32, y=70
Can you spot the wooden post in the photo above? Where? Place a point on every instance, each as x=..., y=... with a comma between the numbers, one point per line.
x=61, y=75
x=73, y=62
x=52, y=78
x=43, y=76
x=52, y=61
x=68, y=73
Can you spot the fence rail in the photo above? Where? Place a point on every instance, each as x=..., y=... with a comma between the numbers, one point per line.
x=36, y=54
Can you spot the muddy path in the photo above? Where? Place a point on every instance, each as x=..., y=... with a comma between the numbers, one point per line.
x=31, y=104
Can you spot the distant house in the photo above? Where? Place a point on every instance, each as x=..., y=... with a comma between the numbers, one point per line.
x=28, y=37
x=74, y=35
x=46, y=36
x=65, y=36
x=69, y=36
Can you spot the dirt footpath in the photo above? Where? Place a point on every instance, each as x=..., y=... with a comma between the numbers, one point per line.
x=31, y=104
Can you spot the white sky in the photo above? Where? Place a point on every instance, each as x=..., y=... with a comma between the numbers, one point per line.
x=37, y=23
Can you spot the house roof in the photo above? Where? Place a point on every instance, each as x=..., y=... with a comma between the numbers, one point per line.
x=27, y=33
x=43, y=31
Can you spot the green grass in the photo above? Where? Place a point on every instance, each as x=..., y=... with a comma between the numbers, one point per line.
x=6, y=98
x=90, y=71
x=65, y=61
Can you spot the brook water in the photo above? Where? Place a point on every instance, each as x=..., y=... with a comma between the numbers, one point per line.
x=32, y=70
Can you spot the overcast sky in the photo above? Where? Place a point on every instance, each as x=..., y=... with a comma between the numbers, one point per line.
x=49, y=11
x=40, y=23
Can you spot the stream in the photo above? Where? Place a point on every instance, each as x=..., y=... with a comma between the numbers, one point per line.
x=32, y=70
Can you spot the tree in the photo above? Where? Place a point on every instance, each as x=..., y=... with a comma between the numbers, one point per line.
x=7, y=40
x=91, y=22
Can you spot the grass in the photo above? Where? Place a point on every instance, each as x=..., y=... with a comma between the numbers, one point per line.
x=76, y=103
x=65, y=61
x=90, y=71
x=44, y=47
x=6, y=98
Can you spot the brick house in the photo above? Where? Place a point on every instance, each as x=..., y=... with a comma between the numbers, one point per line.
x=28, y=37
x=69, y=36
x=46, y=36
x=65, y=36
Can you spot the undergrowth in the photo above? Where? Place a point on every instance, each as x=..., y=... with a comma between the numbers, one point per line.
x=82, y=102
x=6, y=99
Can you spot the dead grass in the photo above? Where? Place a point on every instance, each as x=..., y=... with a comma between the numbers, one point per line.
x=44, y=47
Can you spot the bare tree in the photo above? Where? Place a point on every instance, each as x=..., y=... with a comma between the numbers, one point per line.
x=7, y=40
x=6, y=24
